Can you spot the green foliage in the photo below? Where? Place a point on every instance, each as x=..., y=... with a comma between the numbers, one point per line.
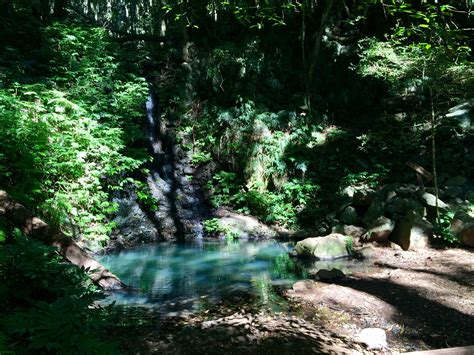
x=144, y=195
x=64, y=140
x=201, y=158
x=213, y=228
x=224, y=187
x=349, y=244
x=46, y=303
x=371, y=179
x=442, y=229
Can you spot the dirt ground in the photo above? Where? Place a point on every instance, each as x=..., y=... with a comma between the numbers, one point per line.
x=423, y=299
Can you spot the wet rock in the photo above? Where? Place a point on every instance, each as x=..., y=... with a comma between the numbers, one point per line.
x=373, y=338
x=379, y=230
x=330, y=275
x=330, y=247
x=133, y=224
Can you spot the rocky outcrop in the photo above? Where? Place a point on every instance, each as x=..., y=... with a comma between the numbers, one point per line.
x=34, y=227
x=397, y=213
x=330, y=247
x=247, y=227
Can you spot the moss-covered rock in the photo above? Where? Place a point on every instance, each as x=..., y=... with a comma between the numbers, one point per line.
x=330, y=247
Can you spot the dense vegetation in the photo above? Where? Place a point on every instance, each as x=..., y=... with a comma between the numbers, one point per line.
x=288, y=104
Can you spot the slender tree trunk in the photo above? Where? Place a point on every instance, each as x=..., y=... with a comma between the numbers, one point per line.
x=433, y=154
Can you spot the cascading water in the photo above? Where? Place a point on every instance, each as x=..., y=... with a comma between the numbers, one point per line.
x=179, y=200
x=180, y=209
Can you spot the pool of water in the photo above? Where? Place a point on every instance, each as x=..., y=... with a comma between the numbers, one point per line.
x=193, y=276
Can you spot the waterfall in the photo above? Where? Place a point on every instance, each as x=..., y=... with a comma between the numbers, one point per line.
x=180, y=205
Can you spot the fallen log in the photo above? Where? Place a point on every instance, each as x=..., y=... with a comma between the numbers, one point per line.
x=36, y=228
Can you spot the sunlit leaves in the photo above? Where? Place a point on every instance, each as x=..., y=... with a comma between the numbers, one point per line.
x=63, y=144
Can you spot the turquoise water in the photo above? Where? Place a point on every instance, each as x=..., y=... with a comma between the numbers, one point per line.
x=192, y=276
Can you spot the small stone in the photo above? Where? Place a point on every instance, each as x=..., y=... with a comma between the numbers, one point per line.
x=373, y=338
x=330, y=275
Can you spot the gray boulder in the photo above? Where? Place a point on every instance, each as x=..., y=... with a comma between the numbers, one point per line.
x=412, y=232
x=462, y=225
x=330, y=247
x=430, y=201
x=375, y=210
x=379, y=230
x=349, y=215
x=245, y=227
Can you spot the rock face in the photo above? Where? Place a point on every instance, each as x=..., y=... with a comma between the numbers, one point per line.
x=133, y=225
x=330, y=247
x=246, y=227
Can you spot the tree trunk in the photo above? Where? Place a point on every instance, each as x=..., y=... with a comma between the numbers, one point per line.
x=36, y=228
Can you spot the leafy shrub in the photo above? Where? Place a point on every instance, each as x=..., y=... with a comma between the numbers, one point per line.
x=76, y=127
x=46, y=303
x=442, y=229
x=215, y=229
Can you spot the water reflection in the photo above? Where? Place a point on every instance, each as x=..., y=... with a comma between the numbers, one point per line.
x=173, y=276
x=177, y=275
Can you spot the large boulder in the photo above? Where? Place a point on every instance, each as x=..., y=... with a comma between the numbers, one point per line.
x=246, y=227
x=349, y=215
x=379, y=230
x=462, y=225
x=412, y=232
x=430, y=201
x=330, y=247
x=375, y=210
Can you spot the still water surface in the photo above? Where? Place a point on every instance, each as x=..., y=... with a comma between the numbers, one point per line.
x=193, y=276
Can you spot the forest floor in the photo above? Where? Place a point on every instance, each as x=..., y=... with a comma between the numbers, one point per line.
x=423, y=300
